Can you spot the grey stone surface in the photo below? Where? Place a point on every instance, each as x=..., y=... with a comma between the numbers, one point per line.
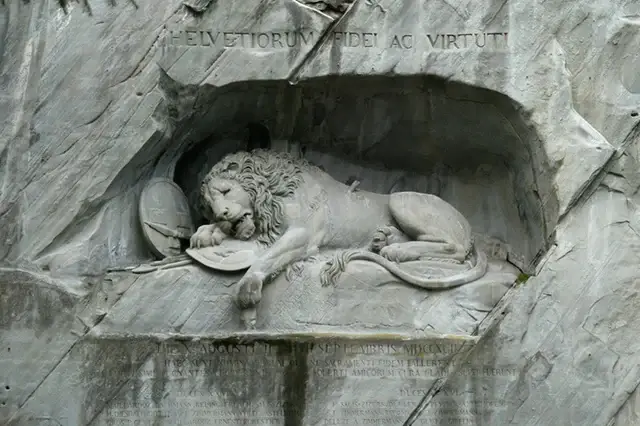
x=165, y=217
x=297, y=213
x=522, y=115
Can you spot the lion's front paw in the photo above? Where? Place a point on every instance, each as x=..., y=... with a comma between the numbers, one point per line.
x=249, y=291
x=205, y=236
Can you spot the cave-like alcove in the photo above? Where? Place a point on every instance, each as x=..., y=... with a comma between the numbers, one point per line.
x=473, y=147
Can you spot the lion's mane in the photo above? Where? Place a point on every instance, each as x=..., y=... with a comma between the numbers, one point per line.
x=268, y=177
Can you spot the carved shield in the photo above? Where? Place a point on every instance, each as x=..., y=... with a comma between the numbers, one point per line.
x=231, y=255
x=165, y=217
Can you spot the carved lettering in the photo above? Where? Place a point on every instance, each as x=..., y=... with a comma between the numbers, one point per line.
x=241, y=40
x=433, y=40
x=451, y=41
x=464, y=39
x=200, y=383
x=306, y=41
x=263, y=40
x=229, y=39
x=204, y=38
x=297, y=38
x=276, y=42
x=191, y=38
x=494, y=37
x=354, y=39
x=369, y=39
x=407, y=41
x=402, y=42
x=176, y=37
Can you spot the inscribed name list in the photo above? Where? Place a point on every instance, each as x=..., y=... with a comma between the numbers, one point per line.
x=213, y=383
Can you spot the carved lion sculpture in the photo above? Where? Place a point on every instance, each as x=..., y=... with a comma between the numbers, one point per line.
x=296, y=210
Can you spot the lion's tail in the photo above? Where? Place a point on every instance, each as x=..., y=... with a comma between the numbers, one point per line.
x=332, y=270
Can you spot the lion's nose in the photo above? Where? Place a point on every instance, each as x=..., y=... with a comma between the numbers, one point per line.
x=225, y=212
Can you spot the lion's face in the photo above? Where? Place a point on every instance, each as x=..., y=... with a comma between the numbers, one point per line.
x=227, y=204
x=251, y=187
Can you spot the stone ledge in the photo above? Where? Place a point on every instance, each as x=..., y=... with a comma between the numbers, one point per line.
x=248, y=337
x=101, y=377
x=191, y=300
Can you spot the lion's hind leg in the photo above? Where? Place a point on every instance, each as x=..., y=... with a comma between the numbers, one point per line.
x=426, y=217
x=423, y=250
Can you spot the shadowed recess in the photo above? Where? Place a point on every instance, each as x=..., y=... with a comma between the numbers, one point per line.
x=473, y=147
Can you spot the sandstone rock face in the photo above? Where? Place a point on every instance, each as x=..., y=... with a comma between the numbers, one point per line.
x=522, y=115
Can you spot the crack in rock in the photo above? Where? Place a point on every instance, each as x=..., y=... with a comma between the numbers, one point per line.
x=332, y=8
x=197, y=6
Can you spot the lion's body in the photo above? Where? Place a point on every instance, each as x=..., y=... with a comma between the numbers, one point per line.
x=336, y=217
x=300, y=210
x=344, y=219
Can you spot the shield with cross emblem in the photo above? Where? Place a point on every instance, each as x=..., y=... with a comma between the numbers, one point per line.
x=165, y=217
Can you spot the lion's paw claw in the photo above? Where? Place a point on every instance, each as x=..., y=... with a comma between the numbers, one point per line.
x=249, y=292
x=203, y=237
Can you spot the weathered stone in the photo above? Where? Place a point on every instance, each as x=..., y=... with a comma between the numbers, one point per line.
x=523, y=116
x=165, y=217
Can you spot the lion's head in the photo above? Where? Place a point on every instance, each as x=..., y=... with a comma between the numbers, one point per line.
x=244, y=193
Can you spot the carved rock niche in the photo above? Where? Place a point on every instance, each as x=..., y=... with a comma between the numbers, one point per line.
x=494, y=106
x=470, y=146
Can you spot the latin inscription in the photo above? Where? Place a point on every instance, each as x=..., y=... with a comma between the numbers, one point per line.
x=395, y=412
x=468, y=40
x=243, y=40
x=209, y=383
x=298, y=38
x=354, y=39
